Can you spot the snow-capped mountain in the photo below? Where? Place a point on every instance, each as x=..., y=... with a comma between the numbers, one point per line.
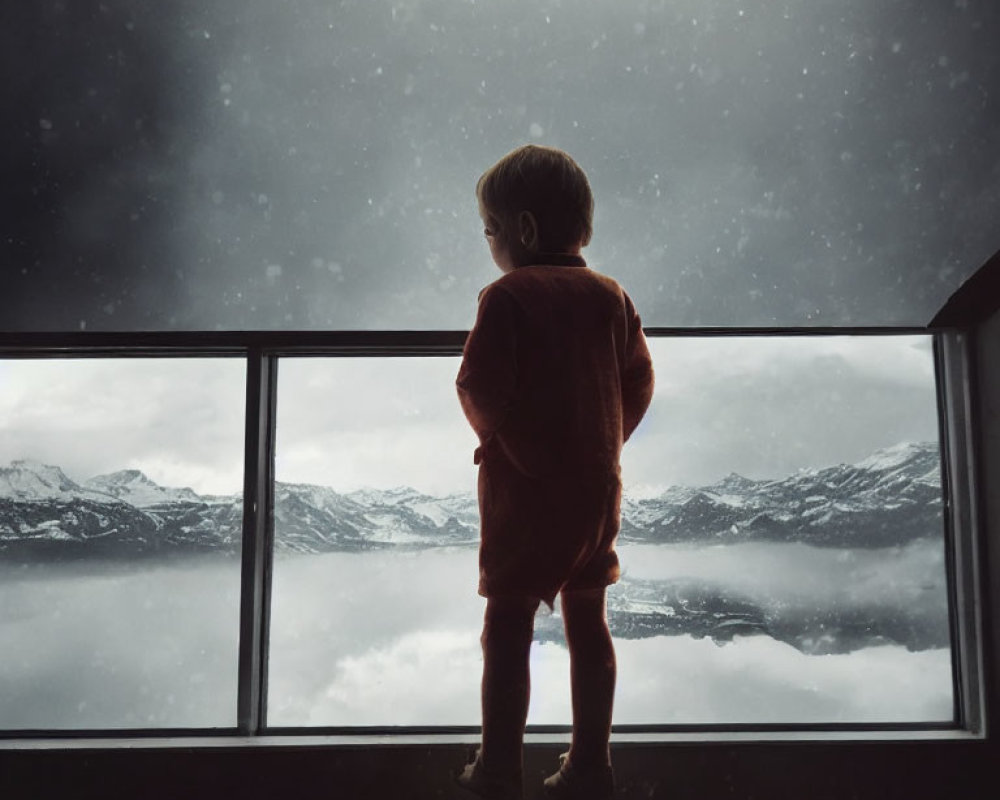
x=44, y=514
x=30, y=480
x=311, y=518
x=889, y=498
x=134, y=488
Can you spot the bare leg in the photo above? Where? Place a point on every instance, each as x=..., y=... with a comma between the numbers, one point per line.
x=506, y=640
x=593, y=671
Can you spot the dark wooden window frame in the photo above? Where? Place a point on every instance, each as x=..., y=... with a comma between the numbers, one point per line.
x=262, y=351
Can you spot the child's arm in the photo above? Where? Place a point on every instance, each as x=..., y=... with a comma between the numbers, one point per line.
x=637, y=374
x=486, y=380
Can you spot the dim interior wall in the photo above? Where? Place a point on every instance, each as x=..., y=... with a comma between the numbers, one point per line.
x=988, y=378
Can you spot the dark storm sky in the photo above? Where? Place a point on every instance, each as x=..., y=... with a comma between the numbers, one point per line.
x=307, y=165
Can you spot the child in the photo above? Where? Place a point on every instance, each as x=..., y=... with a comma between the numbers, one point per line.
x=555, y=376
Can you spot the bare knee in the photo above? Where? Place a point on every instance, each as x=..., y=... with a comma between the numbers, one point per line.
x=509, y=620
x=585, y=620
x=583, y=609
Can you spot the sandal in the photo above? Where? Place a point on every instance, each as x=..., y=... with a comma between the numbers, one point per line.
x=571, y=783
x=477, y=781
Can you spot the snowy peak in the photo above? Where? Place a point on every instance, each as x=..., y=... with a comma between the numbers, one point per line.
x=385, y=497
x=889, y=497
x=311, y=518
x=31, y=480
x=731, y=490
x=905, y=455
x=321, y=497
x=677, y=495
x=439, y=510
x=133, y=487
x=732, y=483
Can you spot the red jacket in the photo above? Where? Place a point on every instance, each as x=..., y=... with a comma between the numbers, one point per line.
x=554, y=378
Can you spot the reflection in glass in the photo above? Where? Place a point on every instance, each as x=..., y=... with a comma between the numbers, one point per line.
x=120, y=528
x=782, y=543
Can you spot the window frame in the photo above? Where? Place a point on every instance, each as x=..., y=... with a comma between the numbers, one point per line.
x=262, y=351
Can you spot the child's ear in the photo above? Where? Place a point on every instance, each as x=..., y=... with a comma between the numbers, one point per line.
x=527, y=227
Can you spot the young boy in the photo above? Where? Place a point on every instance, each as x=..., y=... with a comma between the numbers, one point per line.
x=555, y=376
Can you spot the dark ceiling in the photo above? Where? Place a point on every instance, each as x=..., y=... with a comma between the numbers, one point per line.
x=310, y=165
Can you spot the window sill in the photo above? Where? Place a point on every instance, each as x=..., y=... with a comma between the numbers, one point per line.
x=352, y=741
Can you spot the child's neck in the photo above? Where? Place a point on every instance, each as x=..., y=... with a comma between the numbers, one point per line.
x=556, y=259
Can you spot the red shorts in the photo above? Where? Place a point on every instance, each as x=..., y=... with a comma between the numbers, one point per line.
x=540, y=536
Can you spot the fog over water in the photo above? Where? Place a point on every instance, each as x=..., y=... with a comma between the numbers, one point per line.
x=310, y=164
x=402, y=632
x=353, y=635
x=119, y=645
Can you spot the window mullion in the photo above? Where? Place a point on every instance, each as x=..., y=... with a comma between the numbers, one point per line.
x=256, y=551
x=955, y=377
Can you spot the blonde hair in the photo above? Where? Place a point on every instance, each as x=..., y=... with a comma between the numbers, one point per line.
x=549, y=184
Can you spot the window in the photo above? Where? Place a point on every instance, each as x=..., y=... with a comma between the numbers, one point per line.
x=785, y=547
x=375, y=532
x=783, y=543
x=120, y=537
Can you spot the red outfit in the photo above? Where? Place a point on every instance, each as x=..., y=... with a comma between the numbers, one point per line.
x=555, y=377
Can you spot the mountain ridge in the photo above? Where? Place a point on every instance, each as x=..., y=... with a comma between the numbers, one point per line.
x=889, y=498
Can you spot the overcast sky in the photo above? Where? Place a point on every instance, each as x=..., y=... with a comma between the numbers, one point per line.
x=310, y=164
x=762, y=407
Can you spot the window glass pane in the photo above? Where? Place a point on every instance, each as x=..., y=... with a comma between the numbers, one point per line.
x=310, y=164
x=782, y=543
x=120, y=532
x=375, y=531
